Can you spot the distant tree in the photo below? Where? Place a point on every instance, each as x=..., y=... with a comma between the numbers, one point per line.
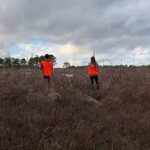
x=23, y=61
x=15, y=61
x=41, y=58
x=31, y=61
x=8, y=61
x=66, y=64
x=1, y=61
x=34, y=61
x=52, y=57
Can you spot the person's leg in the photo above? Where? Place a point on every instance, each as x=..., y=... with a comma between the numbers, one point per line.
x=44, y=78
x=92, y=81
x=47, y=82
x=97, y=81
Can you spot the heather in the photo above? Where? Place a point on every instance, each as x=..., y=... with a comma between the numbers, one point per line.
x=72, y=116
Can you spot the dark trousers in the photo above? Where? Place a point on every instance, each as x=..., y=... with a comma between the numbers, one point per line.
x=94, y=78
x=47, y=81
x=47, y=78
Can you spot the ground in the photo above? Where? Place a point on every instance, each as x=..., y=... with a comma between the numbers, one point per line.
x=72, y=116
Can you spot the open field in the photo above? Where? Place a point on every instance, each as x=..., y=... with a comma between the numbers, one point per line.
x=71, y=116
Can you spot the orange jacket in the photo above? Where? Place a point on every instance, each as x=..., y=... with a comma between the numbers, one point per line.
x=47, y=67
x=93, y=70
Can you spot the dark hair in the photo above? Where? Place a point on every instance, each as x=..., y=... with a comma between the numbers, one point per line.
x=46, y=56
x=93, y=61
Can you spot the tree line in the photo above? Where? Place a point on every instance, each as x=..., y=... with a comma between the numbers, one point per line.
x=17, y=62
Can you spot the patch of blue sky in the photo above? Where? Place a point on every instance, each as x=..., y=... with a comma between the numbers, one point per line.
x=38, y=43
x=15, y=51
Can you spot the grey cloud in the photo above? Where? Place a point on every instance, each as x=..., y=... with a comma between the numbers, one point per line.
x=103, y=25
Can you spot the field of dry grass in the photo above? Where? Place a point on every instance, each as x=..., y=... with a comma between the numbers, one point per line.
x=71, y=116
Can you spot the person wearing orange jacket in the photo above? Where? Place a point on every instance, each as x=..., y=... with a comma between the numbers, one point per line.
x=93, y=72
x=47, y=69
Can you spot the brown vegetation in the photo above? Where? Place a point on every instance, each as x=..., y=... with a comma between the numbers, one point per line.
x=72, y=116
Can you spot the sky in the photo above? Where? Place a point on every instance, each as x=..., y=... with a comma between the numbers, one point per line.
x=117, y=30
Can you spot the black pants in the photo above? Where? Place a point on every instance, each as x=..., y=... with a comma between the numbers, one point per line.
x=47, y=80
x=94, y=78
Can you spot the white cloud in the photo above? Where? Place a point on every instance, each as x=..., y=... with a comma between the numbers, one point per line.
x=69, y=49
x=141, y=55
x=28, y=47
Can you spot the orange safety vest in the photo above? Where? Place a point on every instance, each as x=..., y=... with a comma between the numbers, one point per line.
x=47, y=67
x=93, y=70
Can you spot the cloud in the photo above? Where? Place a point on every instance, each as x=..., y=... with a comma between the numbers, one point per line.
x=141, y=55
x=68, y=52
x=112, y=28
x=68, y=49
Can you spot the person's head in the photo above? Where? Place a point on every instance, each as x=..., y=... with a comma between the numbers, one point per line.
x=93, y=61
x=46, y=56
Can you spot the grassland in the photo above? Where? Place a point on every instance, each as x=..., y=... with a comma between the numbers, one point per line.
x=72, y=116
